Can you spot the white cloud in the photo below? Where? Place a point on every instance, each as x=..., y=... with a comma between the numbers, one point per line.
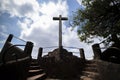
x=3, y=28
x=43, y=31
x=79, y=1
x=3, y=31
x=37, y=24
x=20, y=8
x=52, y=8
x=3, y=35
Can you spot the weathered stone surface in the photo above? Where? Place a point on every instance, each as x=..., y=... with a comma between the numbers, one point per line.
x=68, y=66
x=101, y=70
x=64, y=53
x=108, y=70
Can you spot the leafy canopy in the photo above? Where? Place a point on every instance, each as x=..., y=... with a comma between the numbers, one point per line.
x=98, y=18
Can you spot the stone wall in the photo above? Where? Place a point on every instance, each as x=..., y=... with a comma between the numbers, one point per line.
x=108, y=70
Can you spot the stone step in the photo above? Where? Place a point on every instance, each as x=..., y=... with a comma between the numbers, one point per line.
x=38, y=77
x=34, y=67
x=90, y=74
x=91, y=65
x=91, y=69
x=86, y=78
x=62, y=79
x=90, y=61
x=52, y=79
x=34, y=60
x=35, y=72
x=34, y=64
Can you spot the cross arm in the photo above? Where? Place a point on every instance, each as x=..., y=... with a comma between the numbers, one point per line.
x=57, y=18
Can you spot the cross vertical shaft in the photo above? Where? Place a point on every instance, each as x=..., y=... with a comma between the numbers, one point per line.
x=60, y=18
x=60, y=31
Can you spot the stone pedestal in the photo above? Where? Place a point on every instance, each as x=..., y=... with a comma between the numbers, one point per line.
x=59, y=54
x=62, y=65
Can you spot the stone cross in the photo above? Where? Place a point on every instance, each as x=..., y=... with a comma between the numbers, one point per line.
x=60, y=18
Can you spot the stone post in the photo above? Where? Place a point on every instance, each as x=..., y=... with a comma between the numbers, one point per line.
x=27, y=51
x=9, y=39
x=96, y=51
x=28, y=48
x=40, y=53
x=82, y=54
x=5, y=47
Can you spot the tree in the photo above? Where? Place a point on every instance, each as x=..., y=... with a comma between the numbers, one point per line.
x=98, y=18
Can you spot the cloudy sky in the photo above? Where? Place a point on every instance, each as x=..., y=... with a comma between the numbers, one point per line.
x=31, y=20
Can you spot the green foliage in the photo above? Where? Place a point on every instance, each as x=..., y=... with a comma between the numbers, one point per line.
x=98, y=18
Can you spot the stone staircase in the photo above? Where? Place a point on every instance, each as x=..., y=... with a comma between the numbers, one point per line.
x=90, y=71
x=35, y=73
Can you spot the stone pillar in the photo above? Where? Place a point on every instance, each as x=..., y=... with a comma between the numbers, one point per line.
x=82, y=54
x=96, y=51
x=27, y=51
x=40, y=53
x=28, y=48
x=6, y=45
